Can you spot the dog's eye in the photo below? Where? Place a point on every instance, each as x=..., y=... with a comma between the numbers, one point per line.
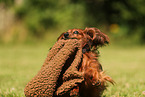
x=76, y=32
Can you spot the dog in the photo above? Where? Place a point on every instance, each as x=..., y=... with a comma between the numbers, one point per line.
x=95, y=81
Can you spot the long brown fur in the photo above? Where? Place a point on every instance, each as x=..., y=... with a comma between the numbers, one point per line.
x=95, y=79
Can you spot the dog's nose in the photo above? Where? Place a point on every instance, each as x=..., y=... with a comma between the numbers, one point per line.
x=66, y=35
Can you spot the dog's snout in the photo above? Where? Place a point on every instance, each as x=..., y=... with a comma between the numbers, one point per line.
x=66, y=35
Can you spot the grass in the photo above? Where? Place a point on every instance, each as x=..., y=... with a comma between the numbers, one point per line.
x=19, y=64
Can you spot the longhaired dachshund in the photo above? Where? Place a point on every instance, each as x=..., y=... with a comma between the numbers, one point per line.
x=95, y=80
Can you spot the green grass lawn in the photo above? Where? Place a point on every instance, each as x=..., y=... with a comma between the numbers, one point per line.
x=19, y=64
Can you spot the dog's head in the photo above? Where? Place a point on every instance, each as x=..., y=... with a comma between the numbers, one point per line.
x=92, y=38
x=72, y=34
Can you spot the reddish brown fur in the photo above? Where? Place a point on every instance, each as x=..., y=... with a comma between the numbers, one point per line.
x=95, y=79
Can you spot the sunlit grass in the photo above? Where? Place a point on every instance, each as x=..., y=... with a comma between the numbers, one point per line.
x=18, y=65
x=126, y=66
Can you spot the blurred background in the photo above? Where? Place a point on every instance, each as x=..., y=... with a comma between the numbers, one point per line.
x=32, y=21
x=28, y=28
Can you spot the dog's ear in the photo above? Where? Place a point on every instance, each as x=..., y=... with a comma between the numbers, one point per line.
x=98, y=38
